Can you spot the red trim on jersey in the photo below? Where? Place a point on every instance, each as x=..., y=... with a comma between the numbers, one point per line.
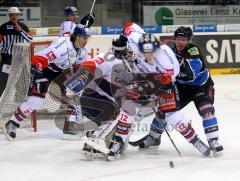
x=90, y=66
x=39, y=59
x=67, y=33
x=128, y=24
x=164, y=78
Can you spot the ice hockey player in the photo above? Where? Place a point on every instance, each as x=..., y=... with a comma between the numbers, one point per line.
x=195, y=84
x=71, y=14
x=46, y=65
x=148, y=62
x=159, y=59
x=101, y=101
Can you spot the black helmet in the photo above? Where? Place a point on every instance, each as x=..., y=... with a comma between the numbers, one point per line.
x=119, y=48
x=183, y=32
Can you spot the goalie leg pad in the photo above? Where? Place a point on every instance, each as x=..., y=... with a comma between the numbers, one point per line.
x=101, y=137
x=98, y=108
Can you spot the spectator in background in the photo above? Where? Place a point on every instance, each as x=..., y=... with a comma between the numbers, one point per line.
x=71, y=14
x=67, y=27
x=11, y=32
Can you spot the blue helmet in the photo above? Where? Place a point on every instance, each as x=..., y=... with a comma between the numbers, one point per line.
x=81, y=30
x=147, y=43
x=69, y=10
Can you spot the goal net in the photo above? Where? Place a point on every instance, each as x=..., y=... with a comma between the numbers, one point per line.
x=19, y=79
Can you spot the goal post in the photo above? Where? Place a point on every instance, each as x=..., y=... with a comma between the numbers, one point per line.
x=19, y=79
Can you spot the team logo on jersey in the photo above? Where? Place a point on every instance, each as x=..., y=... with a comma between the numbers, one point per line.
x=10, y=27
x=98, y=60
x=193, y=51
x=128, y=31
x=51, y=56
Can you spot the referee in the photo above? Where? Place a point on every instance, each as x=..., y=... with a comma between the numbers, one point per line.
x=11, y=32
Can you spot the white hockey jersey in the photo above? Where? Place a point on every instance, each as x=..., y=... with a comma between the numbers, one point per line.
x=112, y=74
x=59, y=54
x=67, y=27
x=164, y=61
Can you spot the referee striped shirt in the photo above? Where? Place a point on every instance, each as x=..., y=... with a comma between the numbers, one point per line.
x=9, y=36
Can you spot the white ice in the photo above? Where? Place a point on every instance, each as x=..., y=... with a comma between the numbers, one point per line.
x=43, y=156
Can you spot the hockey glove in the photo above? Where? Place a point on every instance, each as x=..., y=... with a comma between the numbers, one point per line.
x=88, y=18
x=40, y=83
x=37, y=71
x=136, y=96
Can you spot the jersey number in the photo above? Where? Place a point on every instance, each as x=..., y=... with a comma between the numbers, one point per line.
x=123, y=118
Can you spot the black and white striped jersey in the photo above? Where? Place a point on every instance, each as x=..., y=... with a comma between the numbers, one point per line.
x=9, y=36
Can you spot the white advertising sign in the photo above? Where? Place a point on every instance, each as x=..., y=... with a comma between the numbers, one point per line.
x=173, y=15
x=29, y=15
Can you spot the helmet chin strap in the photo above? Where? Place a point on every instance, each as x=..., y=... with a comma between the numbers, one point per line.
x=76, y=45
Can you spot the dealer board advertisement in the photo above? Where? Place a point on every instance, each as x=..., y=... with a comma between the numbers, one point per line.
x=221, y=52
x=175, y=15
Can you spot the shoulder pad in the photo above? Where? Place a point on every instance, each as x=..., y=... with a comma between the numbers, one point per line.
x=193, y=51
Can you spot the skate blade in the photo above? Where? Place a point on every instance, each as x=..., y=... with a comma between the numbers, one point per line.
x=90, y=156
x=150, y=148
x=71, y=137
x=97, y=144
x=113, y=158
x=8, y=137
x=217, y=154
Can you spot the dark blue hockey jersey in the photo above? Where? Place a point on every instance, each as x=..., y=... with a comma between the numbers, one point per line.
x=192, y=68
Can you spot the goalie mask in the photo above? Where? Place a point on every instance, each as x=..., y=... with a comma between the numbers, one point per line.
x=120, y=50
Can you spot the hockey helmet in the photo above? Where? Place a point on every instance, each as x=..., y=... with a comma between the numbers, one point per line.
x=81, y=30
x=119, y=48
x=147, y=43
x=183, y=32
x=70, y=10
x=13, y=10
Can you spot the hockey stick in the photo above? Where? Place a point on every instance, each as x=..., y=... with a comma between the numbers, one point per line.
x=152, y=107
x=69, y=55
x=94, y=1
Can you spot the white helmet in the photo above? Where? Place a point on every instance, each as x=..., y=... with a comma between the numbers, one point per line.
x=13, y=10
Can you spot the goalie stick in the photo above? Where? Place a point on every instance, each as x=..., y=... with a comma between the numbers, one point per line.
x=57, y=88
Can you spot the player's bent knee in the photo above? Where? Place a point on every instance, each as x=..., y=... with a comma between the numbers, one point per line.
x=206, y=111
x=34, y=102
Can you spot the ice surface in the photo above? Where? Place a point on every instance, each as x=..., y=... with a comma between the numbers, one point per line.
x=44, y=156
